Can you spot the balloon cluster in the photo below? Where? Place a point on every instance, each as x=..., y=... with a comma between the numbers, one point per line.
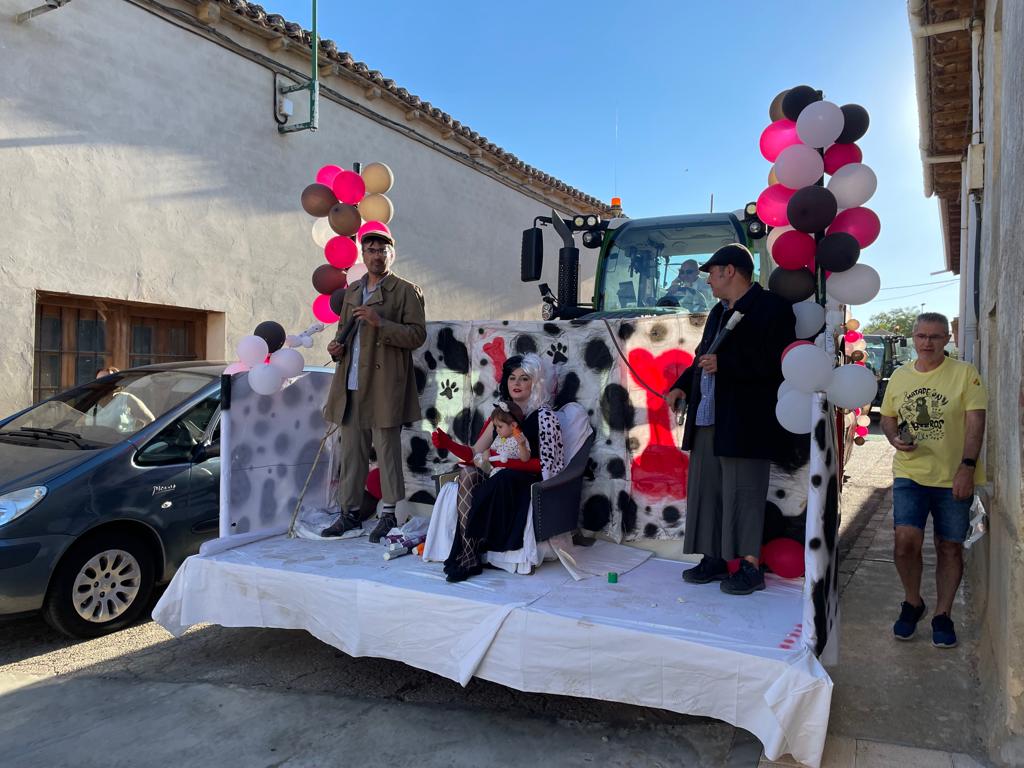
x=269, y=356
x=806, y=369
x=346, y=204
x=808, y=138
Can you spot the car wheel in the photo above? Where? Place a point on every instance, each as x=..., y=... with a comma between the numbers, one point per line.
x=102, y=585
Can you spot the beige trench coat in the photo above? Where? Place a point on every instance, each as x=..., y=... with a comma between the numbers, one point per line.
x=387, y=385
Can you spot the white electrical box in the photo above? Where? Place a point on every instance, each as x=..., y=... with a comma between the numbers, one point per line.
x=975, y=166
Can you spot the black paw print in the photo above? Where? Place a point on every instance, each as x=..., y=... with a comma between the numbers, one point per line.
x=557, y=353
x=449, y=388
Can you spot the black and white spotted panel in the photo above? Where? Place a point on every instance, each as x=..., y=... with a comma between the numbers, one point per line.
x=273, y=441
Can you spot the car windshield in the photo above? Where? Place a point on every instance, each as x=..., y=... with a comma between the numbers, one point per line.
x=658, y=266
x=108, y=410
x=875, y=353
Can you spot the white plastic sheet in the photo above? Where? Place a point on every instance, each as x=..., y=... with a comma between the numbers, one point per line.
x=651, y=639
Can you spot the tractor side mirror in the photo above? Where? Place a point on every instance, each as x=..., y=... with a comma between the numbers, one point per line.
x=903, y=341
x=531, y=259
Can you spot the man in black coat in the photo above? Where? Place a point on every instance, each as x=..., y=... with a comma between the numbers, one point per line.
x=731, y=430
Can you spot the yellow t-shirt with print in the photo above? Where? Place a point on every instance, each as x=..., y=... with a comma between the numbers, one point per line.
x=933, y=405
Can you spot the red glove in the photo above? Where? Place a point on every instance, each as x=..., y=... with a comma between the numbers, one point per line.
x=533, y=465
x=443, y=442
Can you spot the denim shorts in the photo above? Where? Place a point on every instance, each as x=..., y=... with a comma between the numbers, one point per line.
x=912, y=502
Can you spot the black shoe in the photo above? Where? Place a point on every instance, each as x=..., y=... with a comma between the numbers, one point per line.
x=906, y=624
x=384, y=525
x=747, y=579
x=346, y=522
x=943, y=632
x=707, y=570
x=456, y=574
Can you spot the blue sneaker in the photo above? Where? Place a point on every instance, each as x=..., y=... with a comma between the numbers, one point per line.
x=943, y=634
x=906, y=624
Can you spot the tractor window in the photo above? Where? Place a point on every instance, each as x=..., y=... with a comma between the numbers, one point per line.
x=659, y=266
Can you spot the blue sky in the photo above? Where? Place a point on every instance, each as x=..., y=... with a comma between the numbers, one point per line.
x=691, y=84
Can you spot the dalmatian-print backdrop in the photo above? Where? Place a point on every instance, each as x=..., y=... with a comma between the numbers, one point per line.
x=821, y=556
x=635, y=486
x=273, y=441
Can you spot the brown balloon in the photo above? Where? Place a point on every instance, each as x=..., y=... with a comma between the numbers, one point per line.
x=858, y=440
x=344, y=219
x=772, y=178
x=328, y=279
x=317, y=200
x=775, y=110
x=378, y=178
x=857, y=355
x=376, y=208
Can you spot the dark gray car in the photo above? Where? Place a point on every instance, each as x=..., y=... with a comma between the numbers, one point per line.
x=104, y=490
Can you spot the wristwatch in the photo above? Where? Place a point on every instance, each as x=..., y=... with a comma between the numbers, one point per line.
x=969, y=462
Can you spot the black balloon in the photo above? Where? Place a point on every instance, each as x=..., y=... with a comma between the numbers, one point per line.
x=855, y=123
x=337, y=299
x=811, y=209
x=837, y=252
x=271, y=332
x=328, y=279
x=796, y=99
x=791, y=284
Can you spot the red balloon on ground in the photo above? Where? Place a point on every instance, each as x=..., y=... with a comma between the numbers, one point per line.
x=793, y=250
x=322, y=310
x=776, y=137
x=373, y=483
x=341, y=252
x=862, y=223
x=733, y=565
x=772, y=204
x=349, y=187
x=327, y=175
x=785, y=557
x=793, y=346
x=839, y=155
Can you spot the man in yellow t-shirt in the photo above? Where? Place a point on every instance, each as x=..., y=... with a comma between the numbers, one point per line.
x=933, y=413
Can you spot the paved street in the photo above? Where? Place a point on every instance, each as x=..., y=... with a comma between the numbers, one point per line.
x=266, y=697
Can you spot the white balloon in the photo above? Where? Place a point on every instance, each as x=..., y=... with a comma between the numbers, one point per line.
x=852, y=386
x=864, y=421
x=322, y=231
x=858, y=344
x=808, y=368
x=810, y=316
x=799, y=166
x=265, y=379
x=819, y=124
x=784, y=387
x=857, y=285
x=853, y=185
x=288, y=361
x=355, y=272
x=252, y=350
x=775, y=234
x=795, y=412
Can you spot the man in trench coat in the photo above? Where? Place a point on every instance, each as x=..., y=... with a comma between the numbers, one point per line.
x=374, y=389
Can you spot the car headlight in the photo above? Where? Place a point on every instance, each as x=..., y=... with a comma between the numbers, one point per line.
x=16, y=503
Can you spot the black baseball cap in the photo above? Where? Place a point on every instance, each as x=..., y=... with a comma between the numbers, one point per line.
x=735, y=254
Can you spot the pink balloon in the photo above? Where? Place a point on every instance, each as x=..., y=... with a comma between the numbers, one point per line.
x=852, y=336
x=839, y=155
x=793, y=346
x=785, y=557
x=237, y=367
x=861, y=431
x=862, y=223
x=793, y=250
x=776, y=137
x=322, y=309
x=856, y=411
x=327, y=175
x=372, y=226
x=349, y=187
x=772, y=203
x=341, y=252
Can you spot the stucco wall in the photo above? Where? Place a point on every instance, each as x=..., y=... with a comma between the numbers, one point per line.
x=141, y=162
x=994, y=569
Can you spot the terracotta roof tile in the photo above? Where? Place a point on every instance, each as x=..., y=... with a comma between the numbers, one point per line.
x=275, y=22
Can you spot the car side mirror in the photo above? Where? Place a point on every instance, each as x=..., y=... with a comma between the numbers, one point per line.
x=203, y=452
x=903, y=341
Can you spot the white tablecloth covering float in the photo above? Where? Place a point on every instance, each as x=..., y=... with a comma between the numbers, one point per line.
x=651, y=640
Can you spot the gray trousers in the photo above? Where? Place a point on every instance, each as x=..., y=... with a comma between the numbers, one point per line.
x=355, y=458
x=725, y=500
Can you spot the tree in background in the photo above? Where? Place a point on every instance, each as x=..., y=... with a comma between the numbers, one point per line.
x=900, y=320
